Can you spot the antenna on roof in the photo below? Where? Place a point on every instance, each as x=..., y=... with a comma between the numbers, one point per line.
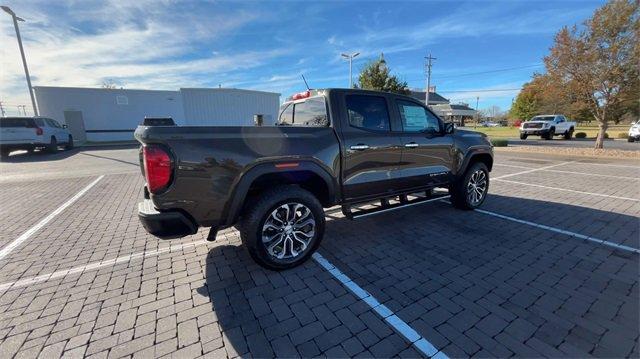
x=305, y=82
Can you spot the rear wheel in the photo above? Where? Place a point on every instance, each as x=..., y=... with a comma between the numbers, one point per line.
x=470, y=191
x=283, y=228
x=53, y=145
x=523, y=136
x=569, y=134
x=69, y=145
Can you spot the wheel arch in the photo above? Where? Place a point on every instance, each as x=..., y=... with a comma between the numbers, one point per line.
x=306, y=174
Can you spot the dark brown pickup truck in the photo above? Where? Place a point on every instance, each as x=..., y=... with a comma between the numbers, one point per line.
x=329, y=147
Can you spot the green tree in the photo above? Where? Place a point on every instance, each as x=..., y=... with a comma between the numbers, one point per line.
x=526, y=104
x=375, y=76
x=596, y=67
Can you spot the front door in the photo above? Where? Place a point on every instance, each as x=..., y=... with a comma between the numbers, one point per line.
x=371, y=150
x=75, y=125
x=426, y=152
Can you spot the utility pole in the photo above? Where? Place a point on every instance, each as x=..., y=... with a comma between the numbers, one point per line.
x=350, y=57
x=429, y=60
x=477, y=113
x=24, y=59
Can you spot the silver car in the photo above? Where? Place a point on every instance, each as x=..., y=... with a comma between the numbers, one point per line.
x=29, y=133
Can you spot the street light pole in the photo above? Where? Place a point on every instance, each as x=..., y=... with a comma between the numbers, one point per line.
x=350, y=57
x=24, y=59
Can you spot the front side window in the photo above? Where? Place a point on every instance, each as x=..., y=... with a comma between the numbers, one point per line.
x=368, y=112
x=416, y=118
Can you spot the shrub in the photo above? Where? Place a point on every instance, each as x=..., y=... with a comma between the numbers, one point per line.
x=499, y=142
x=606, y=135
x=581, y=135
x=622, y=135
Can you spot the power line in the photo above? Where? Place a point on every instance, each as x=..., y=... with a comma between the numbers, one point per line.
x=491, y=71
x=481, y=90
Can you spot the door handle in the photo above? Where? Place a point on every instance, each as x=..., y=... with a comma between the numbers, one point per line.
x=411, y=145
x=359, y=147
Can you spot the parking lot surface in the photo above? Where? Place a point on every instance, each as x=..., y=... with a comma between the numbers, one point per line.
x=548, y=268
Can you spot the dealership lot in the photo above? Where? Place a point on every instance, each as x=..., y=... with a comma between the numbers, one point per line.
x=549, y=267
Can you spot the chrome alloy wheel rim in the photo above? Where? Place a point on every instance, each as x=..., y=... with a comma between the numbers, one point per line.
x=477, y=187
x=288, y=230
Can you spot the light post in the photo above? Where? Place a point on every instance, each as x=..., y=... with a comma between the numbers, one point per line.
x=24, y=59
x=350, y=57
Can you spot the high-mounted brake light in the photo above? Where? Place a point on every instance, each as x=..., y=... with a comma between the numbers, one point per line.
x=157, y=168
x=39, y=131
x=301, y=95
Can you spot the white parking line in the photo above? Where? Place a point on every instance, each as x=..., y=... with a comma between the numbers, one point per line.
x=97, y=265
x=499, y=179
x=11, y=246
x=572, y=172
x=399, y=325
x=577, y=161
x=533, y=170
x=558, y=230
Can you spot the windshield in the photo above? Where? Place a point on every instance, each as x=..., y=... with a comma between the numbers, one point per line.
x=16, y=122
x=543, y=118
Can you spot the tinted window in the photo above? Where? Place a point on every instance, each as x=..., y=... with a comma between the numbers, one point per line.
x=50, y=122
x=368, y=112
x=55, y=123
x=39, y=122
x=16, y=122
x=312, y=112
x=416, y=118
x=286, y=115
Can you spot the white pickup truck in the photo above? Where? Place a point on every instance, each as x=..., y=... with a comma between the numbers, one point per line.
x=547, y=126
x=29, y=133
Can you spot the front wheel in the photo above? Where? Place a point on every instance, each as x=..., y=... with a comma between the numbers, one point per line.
x=523, y=136
x=4, y=152
x=630, y=139
x=283, y=228
x=550, y=134
x=470, y=191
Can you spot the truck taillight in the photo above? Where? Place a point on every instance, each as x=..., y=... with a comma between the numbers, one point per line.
x=157, y=168
x=39, y=131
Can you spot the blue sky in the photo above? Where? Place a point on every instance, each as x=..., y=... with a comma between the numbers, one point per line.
x=268, y=45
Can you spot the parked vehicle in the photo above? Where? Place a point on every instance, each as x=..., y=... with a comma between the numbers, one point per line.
x=634, y=132
x=490, y=124
x=29, y=133
x=330, y=147
x=547, y=126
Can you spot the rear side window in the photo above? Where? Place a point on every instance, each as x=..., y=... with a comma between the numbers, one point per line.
x=416, y=118
x=312, y=112
x=16, y=122
x=368, y=112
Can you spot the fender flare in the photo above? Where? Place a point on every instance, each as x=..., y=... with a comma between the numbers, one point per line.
x=470, y=154
x=233, y=208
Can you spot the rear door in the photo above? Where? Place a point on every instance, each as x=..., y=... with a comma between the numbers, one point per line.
x=426, y=150
x=17, y=130
x=371, y=149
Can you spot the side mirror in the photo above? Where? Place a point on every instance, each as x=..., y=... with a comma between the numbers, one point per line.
x=65, y=126
x=449, y=128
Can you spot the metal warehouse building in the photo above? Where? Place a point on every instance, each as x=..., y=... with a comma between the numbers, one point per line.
x=96, y=114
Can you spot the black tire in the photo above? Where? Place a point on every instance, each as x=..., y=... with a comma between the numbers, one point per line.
x=523, y=136
x=53, y=145
x=569, y=134
x=550, y=134
x=4, y=153
x=630, y=139
x=256, y=215
x=459, y=190
x=69, y=145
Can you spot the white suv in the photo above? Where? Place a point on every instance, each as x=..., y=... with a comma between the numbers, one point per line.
x=634, y=132
x=29, y=133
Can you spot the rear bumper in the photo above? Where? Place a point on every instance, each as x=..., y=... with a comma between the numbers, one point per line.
x=165, y=225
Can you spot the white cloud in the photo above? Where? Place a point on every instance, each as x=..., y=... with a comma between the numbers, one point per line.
x=141, y=44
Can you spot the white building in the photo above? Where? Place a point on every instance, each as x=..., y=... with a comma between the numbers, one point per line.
x=96, y=114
